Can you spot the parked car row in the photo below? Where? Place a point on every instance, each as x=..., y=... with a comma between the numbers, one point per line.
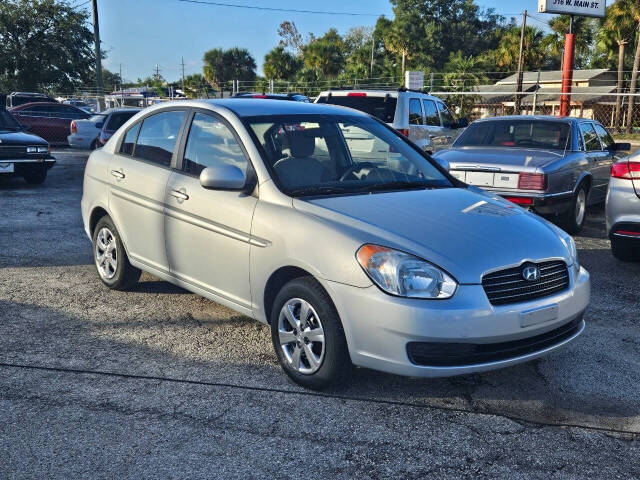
x=97, y=129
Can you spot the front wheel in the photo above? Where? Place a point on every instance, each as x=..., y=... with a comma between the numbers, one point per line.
x=308, y=337
x=35, y=175
x=573, y=219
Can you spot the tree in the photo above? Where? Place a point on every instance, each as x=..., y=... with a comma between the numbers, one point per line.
x=325, y=54
x=616, y=31
x=280, y=64
x=505, y=56
x=357, y=52
x=462, y=75
x=290, y=37
x=634, y=13
x=44, y=44
x=584, y=29
x=221, y=66
x=112, y=81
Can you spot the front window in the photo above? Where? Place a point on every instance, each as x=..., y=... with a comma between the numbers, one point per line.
x=540, y=134
x=327, y=155
x=116, y=120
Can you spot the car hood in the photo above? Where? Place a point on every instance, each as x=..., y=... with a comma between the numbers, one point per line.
x=467, y=232
x=506, y=158
x=20, y=138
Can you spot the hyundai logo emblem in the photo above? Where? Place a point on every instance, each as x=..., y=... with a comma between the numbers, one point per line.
x=530, y=273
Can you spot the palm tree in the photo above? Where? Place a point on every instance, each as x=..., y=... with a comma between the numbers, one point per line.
x=506, y=54
x=618, y=28
x=633, y=10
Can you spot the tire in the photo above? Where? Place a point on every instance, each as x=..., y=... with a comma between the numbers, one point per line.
x=332, y=364
x=116, y=273
x=623, y=249
x=35, y=175
x=574, y=218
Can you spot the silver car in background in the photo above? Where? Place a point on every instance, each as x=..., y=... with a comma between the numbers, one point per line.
x=623, y=209
x=275, y=210
x=553, y=166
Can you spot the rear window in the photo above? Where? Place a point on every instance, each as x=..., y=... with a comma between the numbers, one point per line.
x=382, y=107
x=116, y=120
x=97, y=118
x=516, y=133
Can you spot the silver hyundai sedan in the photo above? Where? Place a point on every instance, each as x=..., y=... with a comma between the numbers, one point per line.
x=353, y=255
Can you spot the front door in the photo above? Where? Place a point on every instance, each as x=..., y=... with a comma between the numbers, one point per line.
x=599, y=162
x=208, y=231
x=449, y=130
x=139, y=175
x=433, y=126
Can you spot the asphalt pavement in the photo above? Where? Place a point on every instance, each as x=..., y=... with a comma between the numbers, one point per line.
x=161, y=383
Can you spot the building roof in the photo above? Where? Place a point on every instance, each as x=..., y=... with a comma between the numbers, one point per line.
x=585, y=95
x=554, y=76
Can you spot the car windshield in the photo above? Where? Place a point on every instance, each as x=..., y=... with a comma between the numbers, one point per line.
x=7, y=122
x=548, y=135
x=328, y=155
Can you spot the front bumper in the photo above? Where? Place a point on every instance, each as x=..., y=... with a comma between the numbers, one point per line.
x=20, y=164
x=379, y=327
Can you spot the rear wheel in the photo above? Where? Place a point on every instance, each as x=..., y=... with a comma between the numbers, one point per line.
x=35, y=175
x=623, y=249
x=308, y=337
x=573, y=219
x=110, y=258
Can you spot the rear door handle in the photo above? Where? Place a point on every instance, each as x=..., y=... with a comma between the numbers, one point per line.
x=181, y=196
x=117, y=173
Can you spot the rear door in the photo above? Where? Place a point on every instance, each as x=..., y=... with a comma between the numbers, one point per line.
x=139, y=174
x=418, y=132
x=599, y=161
x=208, y=231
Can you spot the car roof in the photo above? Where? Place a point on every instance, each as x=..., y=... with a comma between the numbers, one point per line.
x=546, y=118
x=377, y=93
x=253, y=107
x=48, y=104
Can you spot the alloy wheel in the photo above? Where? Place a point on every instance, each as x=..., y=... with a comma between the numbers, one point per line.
x=106, y=254
x=301, y=336
x=581, y=206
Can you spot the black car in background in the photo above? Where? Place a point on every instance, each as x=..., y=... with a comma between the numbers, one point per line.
x=22, y=154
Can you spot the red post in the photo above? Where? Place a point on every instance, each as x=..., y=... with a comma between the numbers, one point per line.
x=567, y=74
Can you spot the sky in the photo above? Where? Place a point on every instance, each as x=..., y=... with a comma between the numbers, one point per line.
x=140, y=34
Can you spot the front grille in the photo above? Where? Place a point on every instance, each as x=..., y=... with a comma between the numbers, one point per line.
x=509, y=286
x=431, y=354
x=13, y=151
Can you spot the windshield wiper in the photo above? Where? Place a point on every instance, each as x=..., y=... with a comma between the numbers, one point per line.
x=397, y=185
x=319, y=190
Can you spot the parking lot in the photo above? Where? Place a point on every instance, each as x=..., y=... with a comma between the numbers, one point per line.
x=158, y=382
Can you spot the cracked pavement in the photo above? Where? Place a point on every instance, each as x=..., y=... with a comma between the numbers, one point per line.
x=160, y=383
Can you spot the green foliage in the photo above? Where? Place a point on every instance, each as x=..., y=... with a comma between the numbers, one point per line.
x=280, y=64
x=44, y=44
x=221, y=66
x=505, y=56
x=325, y=54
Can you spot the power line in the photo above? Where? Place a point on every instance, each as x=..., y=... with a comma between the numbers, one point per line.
x=275, y=9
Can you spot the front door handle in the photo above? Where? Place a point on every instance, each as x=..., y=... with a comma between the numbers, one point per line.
x=181, y=196
x=117, y=173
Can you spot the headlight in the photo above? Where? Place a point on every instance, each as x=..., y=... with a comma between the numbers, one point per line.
x=32, y=149
x=402, y=274
x=573, y=251
x=43, y=149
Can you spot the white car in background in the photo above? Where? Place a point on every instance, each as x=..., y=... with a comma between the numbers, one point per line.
x=85, y=134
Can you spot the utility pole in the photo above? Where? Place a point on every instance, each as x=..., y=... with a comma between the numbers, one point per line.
x=96, y=41
x=567, y=70
x=183, y=90
x=518, y=99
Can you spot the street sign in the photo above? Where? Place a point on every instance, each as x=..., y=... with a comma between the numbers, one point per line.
x=587, y=8
x=414, y=80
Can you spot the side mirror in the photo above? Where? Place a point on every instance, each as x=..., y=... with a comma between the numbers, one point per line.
x=462, y=122
x=224, y=177
x=620, y=147
x=443, y=162
x=99, y=125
